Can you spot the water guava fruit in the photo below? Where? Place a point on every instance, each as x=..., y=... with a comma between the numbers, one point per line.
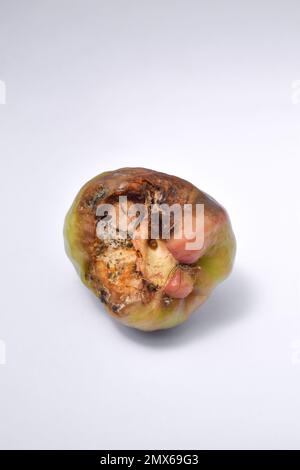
x=147, y=281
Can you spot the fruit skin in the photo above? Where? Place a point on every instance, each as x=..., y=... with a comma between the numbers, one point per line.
x=213, y=266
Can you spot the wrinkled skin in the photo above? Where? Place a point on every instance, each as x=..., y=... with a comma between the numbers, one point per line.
x=145, y=284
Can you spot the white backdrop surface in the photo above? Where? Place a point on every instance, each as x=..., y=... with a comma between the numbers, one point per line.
x=204, y=90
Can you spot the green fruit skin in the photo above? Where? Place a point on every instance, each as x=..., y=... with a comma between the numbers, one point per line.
x=216, y=264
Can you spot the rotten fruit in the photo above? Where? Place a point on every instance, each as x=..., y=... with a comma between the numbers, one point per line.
x=148, y=274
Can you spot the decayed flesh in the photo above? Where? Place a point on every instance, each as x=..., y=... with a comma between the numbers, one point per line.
x=128, y=271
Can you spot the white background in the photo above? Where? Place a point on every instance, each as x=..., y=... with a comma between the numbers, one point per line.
x=202, y=90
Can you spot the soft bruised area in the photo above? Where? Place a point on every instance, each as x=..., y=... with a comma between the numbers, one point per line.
x=137, y=269
x=147, y=284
